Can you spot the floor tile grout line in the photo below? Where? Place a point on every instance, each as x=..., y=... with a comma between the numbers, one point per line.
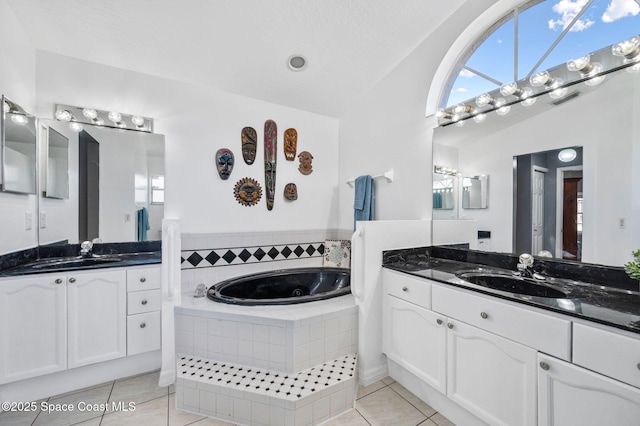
x=410, y=403
x=362, y=415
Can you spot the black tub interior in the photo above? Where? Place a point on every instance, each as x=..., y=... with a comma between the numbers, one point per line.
x=283, y=287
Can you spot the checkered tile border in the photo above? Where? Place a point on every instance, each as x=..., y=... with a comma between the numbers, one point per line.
x=237, y=256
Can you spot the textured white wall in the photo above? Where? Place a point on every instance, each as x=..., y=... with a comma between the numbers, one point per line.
x=17, y=82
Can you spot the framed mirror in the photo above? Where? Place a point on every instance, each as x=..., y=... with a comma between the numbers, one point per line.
x=112, y=176
x=602, y=120
x=18, y=131
x=475, y=192
x=57, y=165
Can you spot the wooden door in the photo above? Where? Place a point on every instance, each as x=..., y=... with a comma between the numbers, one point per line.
x=570, y=219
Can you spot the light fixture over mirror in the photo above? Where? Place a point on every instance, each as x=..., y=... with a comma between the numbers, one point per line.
x=77, y=115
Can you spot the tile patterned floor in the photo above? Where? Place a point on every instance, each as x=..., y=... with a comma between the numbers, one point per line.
x=384, y=402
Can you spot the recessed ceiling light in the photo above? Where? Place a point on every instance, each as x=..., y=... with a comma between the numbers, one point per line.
x=297, y=62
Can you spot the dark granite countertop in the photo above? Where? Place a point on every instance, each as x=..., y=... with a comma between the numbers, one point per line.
x=593, y=292
x=63, y=258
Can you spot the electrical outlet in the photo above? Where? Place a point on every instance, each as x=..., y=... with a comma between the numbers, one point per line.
x=127, y=217
x=43, y=220
x=28, y=220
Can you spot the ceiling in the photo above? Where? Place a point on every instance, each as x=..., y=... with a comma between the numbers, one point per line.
x=242, y=46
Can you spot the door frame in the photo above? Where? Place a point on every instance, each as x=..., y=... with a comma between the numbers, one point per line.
x=559, y=203
x=535, y=168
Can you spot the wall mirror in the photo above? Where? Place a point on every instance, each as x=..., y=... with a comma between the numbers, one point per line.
x=18, y=140
x=600, y=119
x=444, y=191
x=475, y=191
x=110, y=188
x=57, y=165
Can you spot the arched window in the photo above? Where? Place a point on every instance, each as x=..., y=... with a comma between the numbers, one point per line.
x=539, y=36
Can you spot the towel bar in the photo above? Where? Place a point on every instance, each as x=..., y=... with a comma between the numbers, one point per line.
x=388, y=175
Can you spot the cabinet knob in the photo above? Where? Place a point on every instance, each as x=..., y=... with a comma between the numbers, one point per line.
x=450, y=325
x=58, y=281
x=143, y=279
x=484, y=315
x=143, y=325
x=544, y=365
x=144, y=302
x=72, y=280
x=439, y=321
x=405, y=289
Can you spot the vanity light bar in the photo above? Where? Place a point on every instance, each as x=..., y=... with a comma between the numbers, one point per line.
x=97, y=117
x=445, y=171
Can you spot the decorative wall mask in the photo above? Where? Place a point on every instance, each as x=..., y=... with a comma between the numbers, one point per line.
x=224, y=162
x=247, y=191
x=270, y=154
x=291, y=192
x=290, y=144
x=249, y=144
x=305, y=166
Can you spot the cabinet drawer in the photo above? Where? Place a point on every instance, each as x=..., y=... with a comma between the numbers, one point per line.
x=139, y=302
x=406, y=287
x=143, y=279
x=612, y=354
x=143, y=333
x=542, y=332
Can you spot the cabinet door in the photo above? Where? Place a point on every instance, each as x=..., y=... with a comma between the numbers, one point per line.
x=571, y=395
x=415, y=338
x=33, y=326
x=97, y=317
x=492, y=377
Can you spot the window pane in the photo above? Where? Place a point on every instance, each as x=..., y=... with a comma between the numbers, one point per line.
x=157, y=182
x=494, y=57
x=157, y=196
x=467, y=86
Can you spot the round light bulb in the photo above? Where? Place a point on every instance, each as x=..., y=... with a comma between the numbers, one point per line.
x=558, y=93
x=20, y=120
x=629, y=49
x=483, y=100
x=137, y=120
x=115, y=117
x=509, y=89
x=64, y=115
x=456, y=117
x=582, y=64
x=440, y=113
x=540, y=79
x=459, y=109
x=460, y=123
x=596, y=69
x=90, y=113
x=76, y=127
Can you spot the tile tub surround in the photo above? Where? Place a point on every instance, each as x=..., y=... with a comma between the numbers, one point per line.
x=212, y=258
x=260, y=397
x=286, y=339
x=595, y=293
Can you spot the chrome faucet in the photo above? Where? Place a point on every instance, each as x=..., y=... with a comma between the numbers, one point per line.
x=525, y=265
x=86, y=249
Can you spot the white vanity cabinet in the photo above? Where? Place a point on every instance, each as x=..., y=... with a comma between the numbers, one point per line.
x=60, y=321
x=144, y=301
x=414, y=336
x=572, y=395
x=33, y=326
x=96, y=316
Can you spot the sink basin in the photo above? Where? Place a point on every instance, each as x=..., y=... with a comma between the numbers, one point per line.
x=511, y=284
x=73, y=262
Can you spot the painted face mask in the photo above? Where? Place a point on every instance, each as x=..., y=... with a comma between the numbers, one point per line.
x=270, y=154
x=224, y=162
x=305, y=166
x=291, y=192
x=290, y=144
x=249, y=144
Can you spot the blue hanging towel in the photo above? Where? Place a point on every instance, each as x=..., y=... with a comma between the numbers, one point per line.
x=364, y=199
x=143, y=223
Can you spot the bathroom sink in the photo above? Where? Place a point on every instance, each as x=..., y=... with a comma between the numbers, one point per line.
x=511, y=284
x=72, y=262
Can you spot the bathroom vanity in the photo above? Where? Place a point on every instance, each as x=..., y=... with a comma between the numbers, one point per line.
x=501, y=357
x=71, y=322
